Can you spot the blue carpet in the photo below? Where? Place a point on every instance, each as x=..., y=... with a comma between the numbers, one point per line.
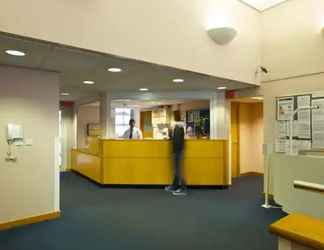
x=102, y=218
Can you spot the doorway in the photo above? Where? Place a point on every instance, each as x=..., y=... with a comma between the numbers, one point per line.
x=247, y=137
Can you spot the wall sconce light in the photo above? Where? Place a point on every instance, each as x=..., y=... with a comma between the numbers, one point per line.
x=222, y=35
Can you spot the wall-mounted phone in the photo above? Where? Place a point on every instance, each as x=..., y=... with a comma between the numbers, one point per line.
x=14, y=133
x=15, y=136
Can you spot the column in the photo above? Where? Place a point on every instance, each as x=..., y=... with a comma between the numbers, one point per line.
x=219, y=116
x=106, y=117
x=220, y=124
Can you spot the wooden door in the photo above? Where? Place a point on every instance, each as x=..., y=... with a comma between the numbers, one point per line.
x=235, y=139
x=146, y=124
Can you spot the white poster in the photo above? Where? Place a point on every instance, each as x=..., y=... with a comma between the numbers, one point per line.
x=302, y=126
x=282, y=129
x=318, y=123
x=285, y=108
x=283, y=145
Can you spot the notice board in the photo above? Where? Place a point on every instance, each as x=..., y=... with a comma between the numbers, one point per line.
x=308, y=125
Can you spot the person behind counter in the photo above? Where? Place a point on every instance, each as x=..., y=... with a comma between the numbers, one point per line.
x=177, y=136
x=133, y=132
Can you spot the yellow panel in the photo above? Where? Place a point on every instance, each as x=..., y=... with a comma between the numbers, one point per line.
x=87, y=164
x=135, y=148
x=137, y=171
x=94, y=146
x=149, y=162
x=208, y=171
x=205, y=148
x=235, y=136
x=235, y=158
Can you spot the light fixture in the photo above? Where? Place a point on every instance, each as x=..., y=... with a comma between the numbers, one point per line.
x=222, y=88
x=260, y=98
x=65, y=94
x=115, y=70
x=89, y=82
x=143, y=89
x=178, y=80
x=15, y=52
x=222, y=35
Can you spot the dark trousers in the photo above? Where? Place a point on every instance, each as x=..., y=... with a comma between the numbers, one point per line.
x=177, y=166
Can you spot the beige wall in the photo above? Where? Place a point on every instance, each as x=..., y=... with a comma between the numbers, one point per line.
x=310, y=84
x=165, y=32
x=293, y=52
x=86, y=114
x=292, y=42
x=29, y=187
x=251, y=137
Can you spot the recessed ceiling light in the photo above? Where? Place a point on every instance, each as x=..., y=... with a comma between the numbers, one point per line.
x=115, y=70
x=89, y=82
x=65, y=93
x=15, y=52
x=178, y=80
x=222, y=88
x=143, y=89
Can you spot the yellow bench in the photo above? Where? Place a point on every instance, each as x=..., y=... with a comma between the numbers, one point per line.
x=297, y=231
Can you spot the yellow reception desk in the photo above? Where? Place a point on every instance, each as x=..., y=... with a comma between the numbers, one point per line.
x=149, y=162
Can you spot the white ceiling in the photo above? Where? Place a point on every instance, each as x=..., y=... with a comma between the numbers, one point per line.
x=76, y=65
x=262, y=5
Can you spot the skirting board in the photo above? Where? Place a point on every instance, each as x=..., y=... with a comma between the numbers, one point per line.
x=30, y=220
x=251, y=174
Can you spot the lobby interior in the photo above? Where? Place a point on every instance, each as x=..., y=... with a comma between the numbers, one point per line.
x=245, y=78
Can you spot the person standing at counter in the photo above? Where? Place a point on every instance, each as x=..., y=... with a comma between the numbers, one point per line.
x=133, y=133
x=177, y=136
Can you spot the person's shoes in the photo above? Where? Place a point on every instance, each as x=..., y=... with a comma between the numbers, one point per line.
x=180, y=192
x=170, y=188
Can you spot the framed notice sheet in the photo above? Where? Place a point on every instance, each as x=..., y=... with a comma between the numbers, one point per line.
x=318, y=122
x=285, y=108
x=302, y=125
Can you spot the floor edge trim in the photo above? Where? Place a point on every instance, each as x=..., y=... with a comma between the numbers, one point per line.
x=29, y=220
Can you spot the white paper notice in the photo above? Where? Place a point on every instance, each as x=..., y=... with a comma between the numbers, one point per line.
x=281, y=146
x=285, y=107
x=282, y=129
x=302, y=126
x=318, y=123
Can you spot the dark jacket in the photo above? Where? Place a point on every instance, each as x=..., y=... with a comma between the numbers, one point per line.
x=177, y=137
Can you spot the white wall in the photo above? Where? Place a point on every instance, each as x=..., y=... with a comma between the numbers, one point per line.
x=168, y=32
x=29, y=187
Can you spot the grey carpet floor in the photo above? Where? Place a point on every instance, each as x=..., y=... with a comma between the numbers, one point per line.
x=105, y=218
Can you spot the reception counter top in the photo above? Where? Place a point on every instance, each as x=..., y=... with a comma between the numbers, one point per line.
x=149, y=162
